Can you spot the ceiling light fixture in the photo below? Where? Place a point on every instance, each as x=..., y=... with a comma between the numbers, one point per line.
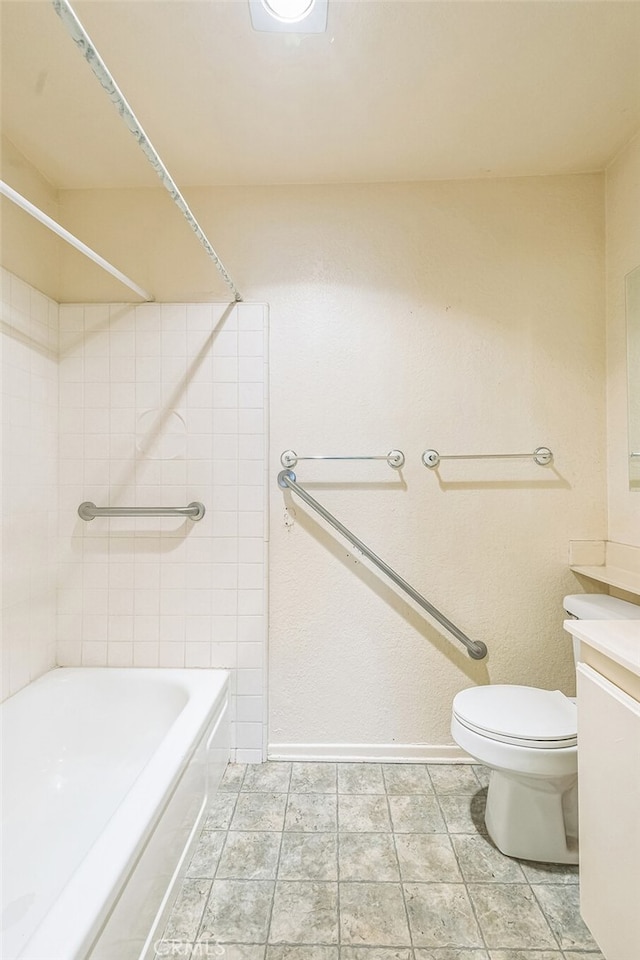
x=289, y=16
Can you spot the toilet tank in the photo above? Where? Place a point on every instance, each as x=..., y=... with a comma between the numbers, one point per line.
x=598, y=606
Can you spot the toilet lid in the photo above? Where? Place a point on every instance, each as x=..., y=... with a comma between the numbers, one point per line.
x=516, y=714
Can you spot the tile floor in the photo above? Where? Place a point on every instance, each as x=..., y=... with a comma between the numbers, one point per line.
x=366, y=861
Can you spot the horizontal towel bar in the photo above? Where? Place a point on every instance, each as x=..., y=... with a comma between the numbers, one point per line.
x=541, y=455
x=476, y=649
x=88, y=511
x=395, y=458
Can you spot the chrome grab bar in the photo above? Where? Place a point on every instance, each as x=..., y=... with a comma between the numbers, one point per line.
x=475, y=648
x=88, y=511
x=395, y=458
x=541, y=455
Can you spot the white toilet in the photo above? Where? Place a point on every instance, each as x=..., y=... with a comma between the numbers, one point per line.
x=528, y=738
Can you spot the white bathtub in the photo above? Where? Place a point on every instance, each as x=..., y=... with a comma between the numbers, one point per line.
x=106, y=774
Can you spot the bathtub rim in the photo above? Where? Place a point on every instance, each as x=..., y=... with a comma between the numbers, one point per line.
x=77, y=916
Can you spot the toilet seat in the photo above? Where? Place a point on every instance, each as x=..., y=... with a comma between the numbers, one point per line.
x=518, y=715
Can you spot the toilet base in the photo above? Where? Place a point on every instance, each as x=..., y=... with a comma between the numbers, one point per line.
x=534, y=818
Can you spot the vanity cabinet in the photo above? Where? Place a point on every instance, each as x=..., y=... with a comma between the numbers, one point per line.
x=609, y=801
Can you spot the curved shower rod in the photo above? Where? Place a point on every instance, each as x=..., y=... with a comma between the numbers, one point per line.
x=84, y=43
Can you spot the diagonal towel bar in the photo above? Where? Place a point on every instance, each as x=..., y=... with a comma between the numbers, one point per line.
x=475, y=648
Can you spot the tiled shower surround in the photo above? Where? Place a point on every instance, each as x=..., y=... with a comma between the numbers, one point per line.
x=161, y=405
x=366, y=861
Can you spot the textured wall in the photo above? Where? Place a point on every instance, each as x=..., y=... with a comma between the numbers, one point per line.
x=29, y=250
x=468, y=316
x=29, y=353
x=623, y=255
x=163, y=404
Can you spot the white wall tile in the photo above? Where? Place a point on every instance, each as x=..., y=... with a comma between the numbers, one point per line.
x=155, y=591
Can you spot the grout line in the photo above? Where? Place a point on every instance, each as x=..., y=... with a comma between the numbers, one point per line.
x=277, y=870
x=395, y=848
x=555, y=936
x=224, y=845
x=455, y=853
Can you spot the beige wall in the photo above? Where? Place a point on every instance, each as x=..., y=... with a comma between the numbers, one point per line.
x=29, y=250
x=468, y=316
x=623, y=255
x=29, y=398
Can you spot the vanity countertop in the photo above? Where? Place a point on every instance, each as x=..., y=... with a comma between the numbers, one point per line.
x=619, y=640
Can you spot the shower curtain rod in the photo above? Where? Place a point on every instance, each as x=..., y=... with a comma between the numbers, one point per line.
x=83, y=41
x=59, y=230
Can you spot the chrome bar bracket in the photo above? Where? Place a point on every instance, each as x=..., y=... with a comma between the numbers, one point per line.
x=475, y=648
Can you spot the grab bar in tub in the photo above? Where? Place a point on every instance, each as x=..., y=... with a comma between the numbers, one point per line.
x=88, y=511
x=395, y=458
x=541, y=455
x=475, y=648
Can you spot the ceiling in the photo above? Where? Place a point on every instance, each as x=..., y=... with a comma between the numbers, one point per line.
x=393, y=91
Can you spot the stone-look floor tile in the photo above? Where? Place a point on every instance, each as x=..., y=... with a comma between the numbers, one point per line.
x=510, y=917
x=550, y=872
x=308, y=952
x=465, y=814
x=308, y=856
x=305, y=912
x=529, y=955
x=238, y=911
x=440, y=915
x=360, y=778
x=313, y=778
x=220, y=811
x=482, y=773
x=249, y=856
x=579, y=955
x=233, y=777
x=311, y=812
x=188, y=910
x=457, y=779
x=481, y=862
x=560, y=904
x=373, y=913
x=368, y=814
x=170, y=949
x=206, y=855
x=232, y=951
x=445, y=953
x=427, y=857
x=375, y=953
x=417, y=814
x=406, y=778
x=368, y=856
x=270, y=777
x=259, y=811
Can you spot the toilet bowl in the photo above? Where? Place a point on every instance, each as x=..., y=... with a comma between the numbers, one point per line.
x=528, y=739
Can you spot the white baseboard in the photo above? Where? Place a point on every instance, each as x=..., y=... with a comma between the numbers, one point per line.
x=373, y=752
